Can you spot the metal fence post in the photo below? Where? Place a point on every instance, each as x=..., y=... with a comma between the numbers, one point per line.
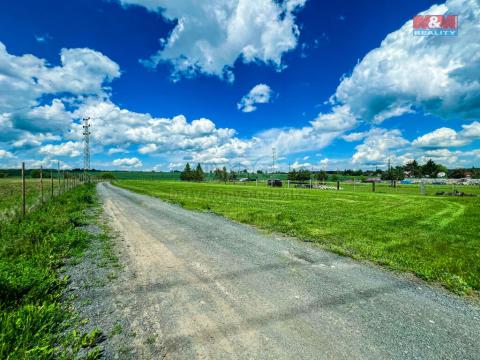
x=373, y=186
x=24, y=205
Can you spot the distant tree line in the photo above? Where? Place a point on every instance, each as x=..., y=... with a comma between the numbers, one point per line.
x=192, y=175
x=412, y=169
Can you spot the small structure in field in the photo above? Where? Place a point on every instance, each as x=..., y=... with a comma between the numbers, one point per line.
x=275, y=183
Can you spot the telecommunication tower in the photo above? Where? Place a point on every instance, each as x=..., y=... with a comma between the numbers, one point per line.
x=274, y=155
x=86, y=144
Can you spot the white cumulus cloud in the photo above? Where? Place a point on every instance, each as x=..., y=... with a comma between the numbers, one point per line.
x=471, y=131
x=128, y=162
x=69, y=148
x=209, y=36
x=406, y=73
x=378, y=146
x=259, y=94
x=5, y=154
x=24, y=79
x=439, y=138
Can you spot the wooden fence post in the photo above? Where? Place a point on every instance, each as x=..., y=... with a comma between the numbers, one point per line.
x=338, y=185
x=24, y=205
x=373, y=186
x=41, y=183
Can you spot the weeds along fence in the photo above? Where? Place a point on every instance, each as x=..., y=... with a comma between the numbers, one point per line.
x=30, y=188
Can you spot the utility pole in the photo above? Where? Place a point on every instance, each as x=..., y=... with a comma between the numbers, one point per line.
x=274, y=154
x=86, y=145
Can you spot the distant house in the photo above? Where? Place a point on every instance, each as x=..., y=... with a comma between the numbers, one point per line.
x=441, y=175
x=372, y=180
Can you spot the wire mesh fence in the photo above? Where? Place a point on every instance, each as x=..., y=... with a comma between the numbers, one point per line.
x=29, y=188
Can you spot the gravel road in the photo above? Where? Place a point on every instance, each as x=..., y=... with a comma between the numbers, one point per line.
x=202, y=287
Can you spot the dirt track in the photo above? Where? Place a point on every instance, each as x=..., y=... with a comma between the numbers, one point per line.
x=200, y=286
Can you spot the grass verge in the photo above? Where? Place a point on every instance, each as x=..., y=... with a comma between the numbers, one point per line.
x=436, y=238
x=31, y=252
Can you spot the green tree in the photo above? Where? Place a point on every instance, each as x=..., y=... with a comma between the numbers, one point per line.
x=475, y=173
x=218, y=174
x=430, y=168
x=232, y=176
x=224, y=174
x=413, y=168
x=186, y=174
x=300, y=175
x=396, y=173
x=198, y=175
x=292, y=175
x=321, y=175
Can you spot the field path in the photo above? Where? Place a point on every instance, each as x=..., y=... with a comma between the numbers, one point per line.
x=201, y=287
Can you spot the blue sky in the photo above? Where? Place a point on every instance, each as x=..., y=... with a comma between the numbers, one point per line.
x=329, y=85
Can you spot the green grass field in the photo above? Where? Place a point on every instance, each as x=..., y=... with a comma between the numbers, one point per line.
x=32, y=250
x=436, y=238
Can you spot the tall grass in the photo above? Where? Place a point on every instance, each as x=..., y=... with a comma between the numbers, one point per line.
x=11, y=195
x=31, y=252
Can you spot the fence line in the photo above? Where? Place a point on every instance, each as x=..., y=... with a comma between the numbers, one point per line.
x=67, y=181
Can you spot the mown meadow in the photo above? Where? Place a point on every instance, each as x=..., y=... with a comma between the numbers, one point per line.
x=32, y=250
x=435, y=237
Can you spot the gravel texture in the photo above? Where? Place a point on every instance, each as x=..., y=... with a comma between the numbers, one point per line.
x=93, y=282
x=195, y=285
